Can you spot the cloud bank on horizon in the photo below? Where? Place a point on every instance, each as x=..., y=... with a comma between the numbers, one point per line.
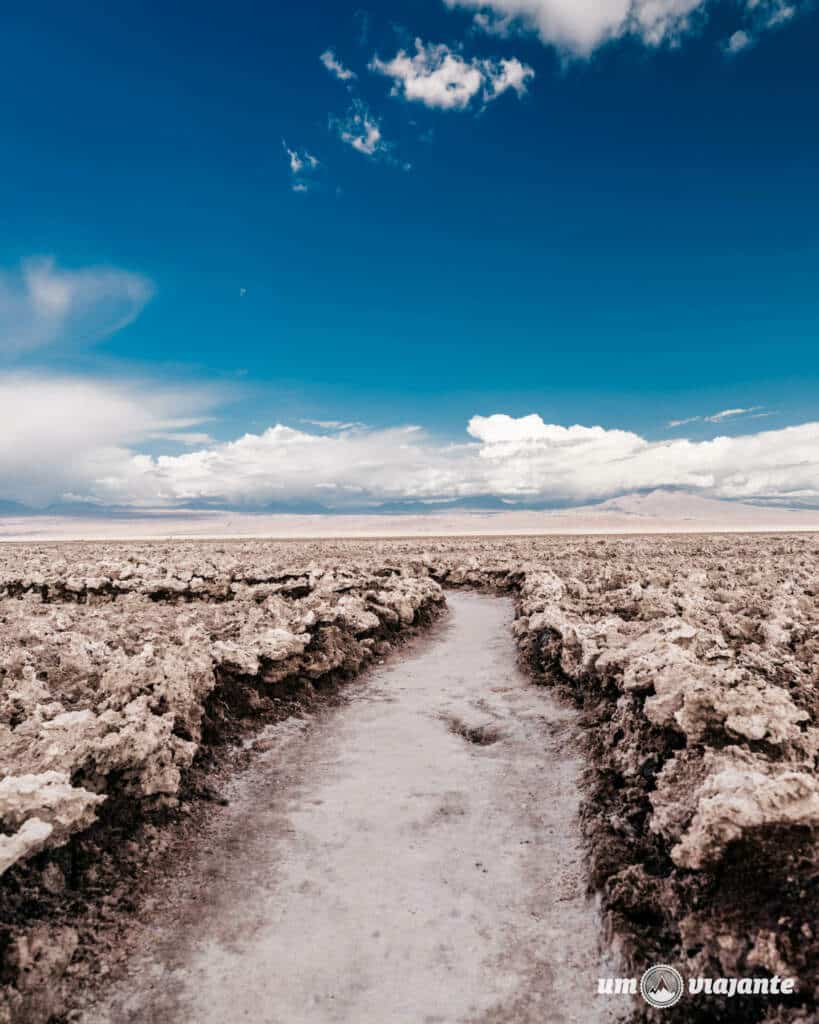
x=54, y=454
x=86, y=439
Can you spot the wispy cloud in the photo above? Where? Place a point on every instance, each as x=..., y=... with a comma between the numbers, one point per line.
x=718, y=417
x=760, y=16
x=335, y=424
x=190, y=438
x=441, y=78
x=737, y=42
x=361, y=129
x=302, y=165
x=42, y=304
x=336, y=68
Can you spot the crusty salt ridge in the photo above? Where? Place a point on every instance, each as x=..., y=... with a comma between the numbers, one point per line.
x=694, y=661
x=45, y=809
x=120, y=689
x=109, y=695
x=699, y=688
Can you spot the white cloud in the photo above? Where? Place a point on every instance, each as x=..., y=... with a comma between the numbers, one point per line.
x=663, y=21
x=48, y=451
x=780, y=14
x=42, y=304
x=302, y=165
x=539, y=460
x=296, y=162
x=300, y=160
x=507, y=74
x=335, y=67
x=361, y=130
x=718, y=417
x=770, y=13
x=761, y=15
x=334, y=424
x=740, y=40
x=187, y=437
x=494, y=24
x=441, y=78
x=73, y=434
x=579, y=27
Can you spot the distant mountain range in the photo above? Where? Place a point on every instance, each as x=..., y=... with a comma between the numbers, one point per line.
x=652, y=504
x=653, y=512
x=680, y=505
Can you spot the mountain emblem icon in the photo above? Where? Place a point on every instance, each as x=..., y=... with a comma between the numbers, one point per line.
x=661, y=986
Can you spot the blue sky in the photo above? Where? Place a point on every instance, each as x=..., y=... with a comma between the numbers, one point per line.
x=622, y=237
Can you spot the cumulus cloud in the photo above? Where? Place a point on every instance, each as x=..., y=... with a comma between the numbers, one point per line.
x=105, y=456
x=579, y=27
x=348, y=468
x=361, y=130
x=336, y=68
x=538, y=460
x=441, y=78
x=42, y=304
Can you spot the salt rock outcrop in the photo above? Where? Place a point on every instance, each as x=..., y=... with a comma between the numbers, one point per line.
x=737, y=793
x=102, y=694
x=44, y=809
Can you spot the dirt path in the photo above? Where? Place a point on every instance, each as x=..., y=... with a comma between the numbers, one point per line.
x=379, y=865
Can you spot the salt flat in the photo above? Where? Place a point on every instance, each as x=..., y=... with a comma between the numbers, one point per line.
x=136, y=676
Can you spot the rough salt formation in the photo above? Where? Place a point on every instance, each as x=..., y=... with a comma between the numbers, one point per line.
x=739, y=794
x=695, y=661
x=111, y=684
x=681, y=675
x=43, y=810
x=117, y=691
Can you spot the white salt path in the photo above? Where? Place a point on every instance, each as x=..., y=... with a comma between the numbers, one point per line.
x=379, y=866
